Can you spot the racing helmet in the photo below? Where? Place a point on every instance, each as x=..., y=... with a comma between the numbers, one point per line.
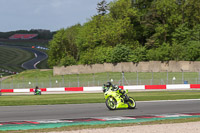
x=109, y=84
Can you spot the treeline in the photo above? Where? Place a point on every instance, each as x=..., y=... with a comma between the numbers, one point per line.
x=131, y=31
x=42, y=34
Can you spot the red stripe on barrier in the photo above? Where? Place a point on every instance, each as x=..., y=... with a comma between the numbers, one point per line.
x=155, y=86
x=122, y=87
x=6, y=90
x=42, y=89
x=74, y=89
x=195, y=86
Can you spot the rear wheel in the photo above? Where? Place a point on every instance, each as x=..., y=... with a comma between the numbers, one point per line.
x=111, y=103
x=131, y=103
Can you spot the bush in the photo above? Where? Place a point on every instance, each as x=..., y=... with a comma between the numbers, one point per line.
x=67, y=61
x=138, y=54
x=121, y=53
x=162, y=53
x=98, y=55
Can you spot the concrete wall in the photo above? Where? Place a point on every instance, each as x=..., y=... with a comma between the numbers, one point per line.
x=151, y=66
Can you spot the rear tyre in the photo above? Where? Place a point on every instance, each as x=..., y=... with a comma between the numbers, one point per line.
x=111, y=103
x=131, y=103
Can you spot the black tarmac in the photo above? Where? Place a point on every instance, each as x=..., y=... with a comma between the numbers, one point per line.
x=74, y=111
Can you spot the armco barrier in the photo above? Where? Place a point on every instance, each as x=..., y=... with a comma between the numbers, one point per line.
x=98, y=88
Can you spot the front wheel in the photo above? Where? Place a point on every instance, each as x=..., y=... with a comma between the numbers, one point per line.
x=131, y=103
x=111, y=103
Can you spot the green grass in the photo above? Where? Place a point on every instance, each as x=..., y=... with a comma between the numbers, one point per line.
x=46, y=79
x=12, y=58
x=81, y=98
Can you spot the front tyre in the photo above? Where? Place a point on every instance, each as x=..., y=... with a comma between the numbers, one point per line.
x=131, y=103
x=111, y=103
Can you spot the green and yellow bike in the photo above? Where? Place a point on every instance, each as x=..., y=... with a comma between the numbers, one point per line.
x=117, y=98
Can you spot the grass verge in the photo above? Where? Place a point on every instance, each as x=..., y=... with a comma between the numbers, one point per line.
x=11, y=58
x=81, y=98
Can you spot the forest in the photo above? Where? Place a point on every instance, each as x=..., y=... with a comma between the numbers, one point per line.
x=131, y=31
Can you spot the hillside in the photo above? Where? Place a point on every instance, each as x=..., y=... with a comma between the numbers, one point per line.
x=12, y=58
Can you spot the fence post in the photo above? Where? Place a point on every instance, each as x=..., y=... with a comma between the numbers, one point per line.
x=199, y=78
x=0, y=82
x=93, y=80
x=12, y=83
x=108, y=77
x=182, y=76
x=137, y=78
x=63, y=81
x=152, y=78
x=68, y=81
x=122, y=78
x=49, y=81
x=78, y=79
x=23, y=82
x=167, y=77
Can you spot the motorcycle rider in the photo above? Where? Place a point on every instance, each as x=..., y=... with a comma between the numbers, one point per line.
x=109, y=85
x=36, y=89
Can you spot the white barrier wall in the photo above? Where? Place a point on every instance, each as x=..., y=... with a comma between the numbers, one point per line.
x=178, y=86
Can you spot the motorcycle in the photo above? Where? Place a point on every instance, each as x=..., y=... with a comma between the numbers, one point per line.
x=115, y=99
x=37, y=92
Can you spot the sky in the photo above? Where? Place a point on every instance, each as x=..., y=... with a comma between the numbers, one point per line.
x=45, y=14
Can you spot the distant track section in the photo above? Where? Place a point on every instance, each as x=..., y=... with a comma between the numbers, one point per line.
x=39, y=56
x=31, y=64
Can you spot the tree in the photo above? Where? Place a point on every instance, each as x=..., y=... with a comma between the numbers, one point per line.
x=193, y=51
x=177, y=52
x=160, y=21
x=63, y=49
x=121, y=53
x=138, y=54
x=162, y=53
x=132, y=30
x=56, y=47
x=98, y=55
x=102, y=7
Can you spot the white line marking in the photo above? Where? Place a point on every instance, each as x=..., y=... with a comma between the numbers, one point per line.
x=178, y=100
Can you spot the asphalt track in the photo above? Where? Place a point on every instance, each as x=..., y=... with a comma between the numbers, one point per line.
x=39, y=56
x=75, y=111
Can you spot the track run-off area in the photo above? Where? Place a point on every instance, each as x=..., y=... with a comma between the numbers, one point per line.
x=51, y=116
